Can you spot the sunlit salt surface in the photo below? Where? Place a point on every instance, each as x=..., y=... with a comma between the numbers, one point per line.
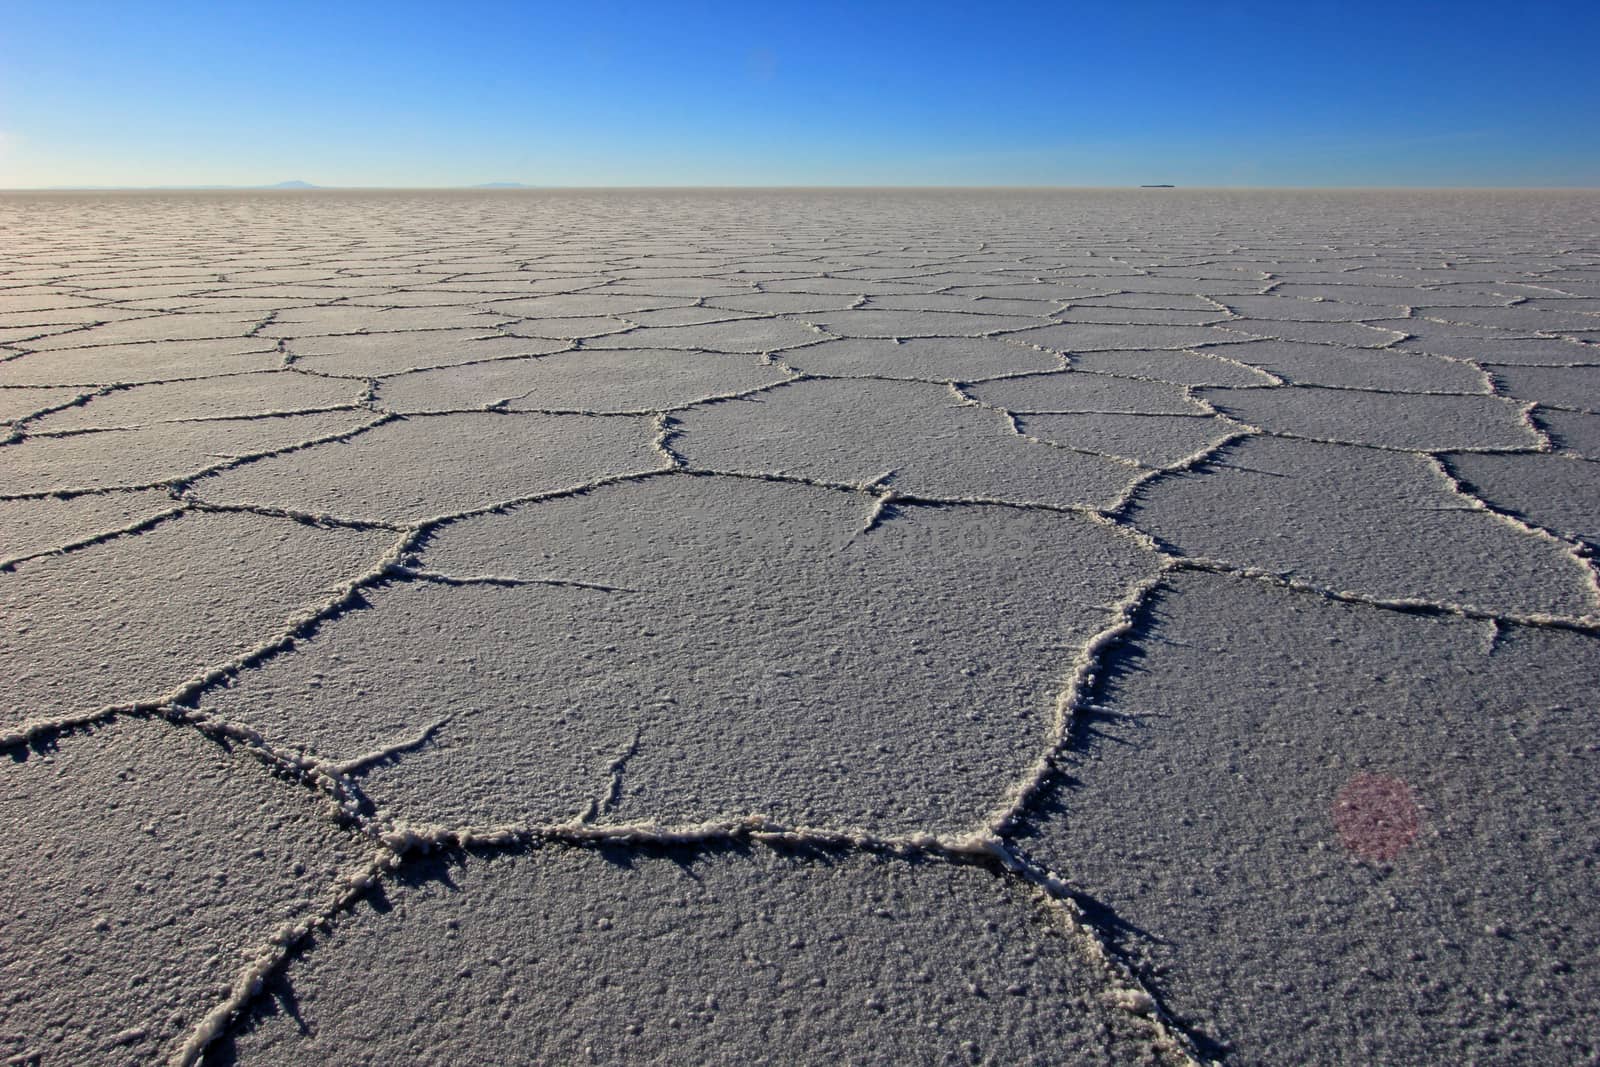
x=705, y=626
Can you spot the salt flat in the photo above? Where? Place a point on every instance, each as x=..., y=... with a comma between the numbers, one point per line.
x=714, y=626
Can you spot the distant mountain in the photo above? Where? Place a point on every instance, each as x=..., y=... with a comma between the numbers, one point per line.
x=499, y=185
x=295, y=184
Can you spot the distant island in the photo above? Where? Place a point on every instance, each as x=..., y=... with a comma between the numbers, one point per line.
x=1158, y=186
x=498, y=185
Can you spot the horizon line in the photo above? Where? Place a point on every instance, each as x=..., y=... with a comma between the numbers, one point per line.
x=519, y=187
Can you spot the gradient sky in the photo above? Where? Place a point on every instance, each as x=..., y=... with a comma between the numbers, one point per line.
x=762, y=93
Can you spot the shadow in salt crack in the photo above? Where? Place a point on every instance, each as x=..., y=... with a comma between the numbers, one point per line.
x=434, y=868
x=626, y=855
x=41, y=745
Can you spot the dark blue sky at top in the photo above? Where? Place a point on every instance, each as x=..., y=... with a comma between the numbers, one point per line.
x=764, y=93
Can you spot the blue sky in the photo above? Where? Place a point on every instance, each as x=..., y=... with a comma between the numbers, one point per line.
x=924, y=93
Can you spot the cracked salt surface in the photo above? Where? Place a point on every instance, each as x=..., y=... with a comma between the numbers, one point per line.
x=1394, y=369
x=1086, y=392
x=118, y=364
x=1559, y=493
x=919, y=438
x=156, y=863
x=409, y=470
x=858, y=676
x=1576, y=388
x=1211, y=366
x=631, y=380
x=1572, y=431
x=1379, y=522
x=376, y=354
x=130, y=618
x=43, y=525
x=232, y=396
x=155, y=454
x=1411, y=421
x=710, y=957
x=1025, y=627
x=16, y=404
x=1152, y=439
x=928, y=359
x=1205, y=829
